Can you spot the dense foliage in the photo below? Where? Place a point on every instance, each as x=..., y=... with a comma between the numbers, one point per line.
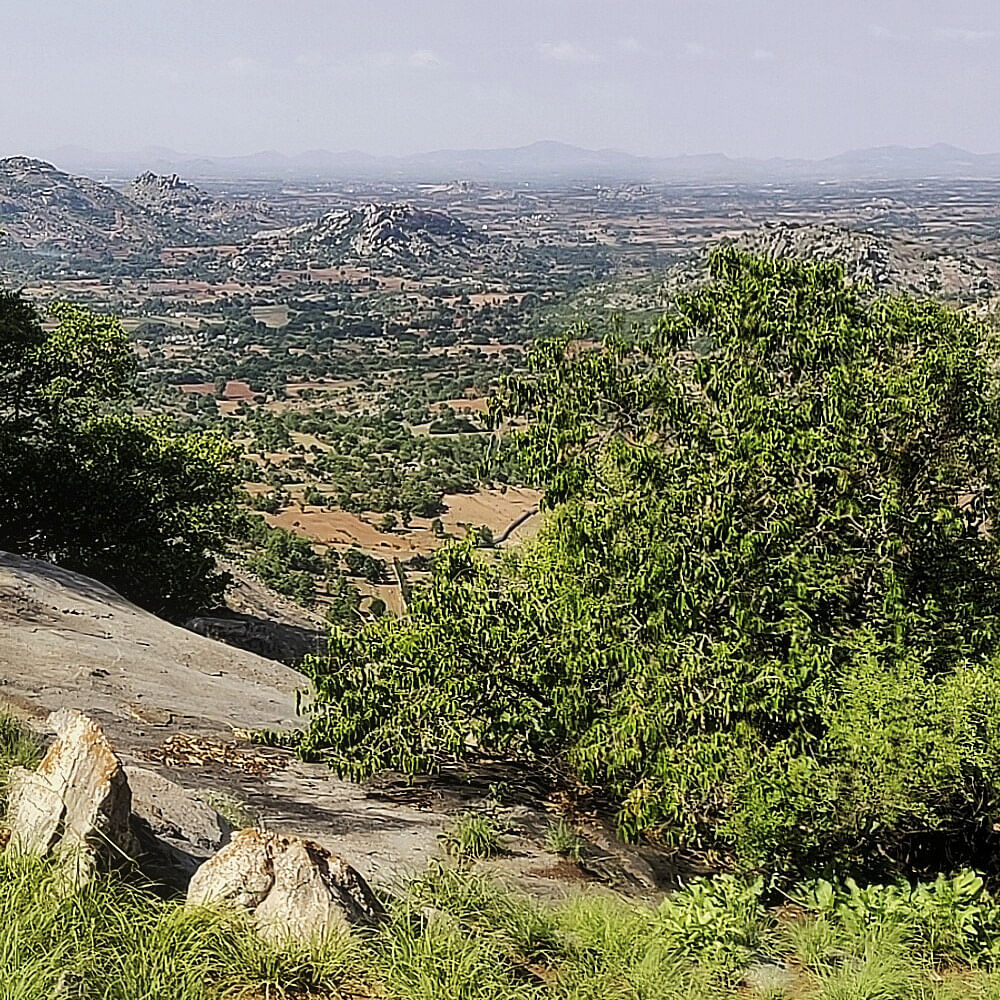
x=122, y=498
x=763, y=611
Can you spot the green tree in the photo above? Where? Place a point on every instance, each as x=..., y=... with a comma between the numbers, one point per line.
x=344, y=599
x=763, y=611
x=128, y=500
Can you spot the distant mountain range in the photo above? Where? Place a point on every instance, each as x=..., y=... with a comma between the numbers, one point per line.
x=539, y=161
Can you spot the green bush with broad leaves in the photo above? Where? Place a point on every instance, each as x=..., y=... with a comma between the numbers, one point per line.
x=953, y=916
x=763, y=610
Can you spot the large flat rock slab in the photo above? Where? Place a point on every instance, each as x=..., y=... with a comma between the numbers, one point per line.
x=67, y=640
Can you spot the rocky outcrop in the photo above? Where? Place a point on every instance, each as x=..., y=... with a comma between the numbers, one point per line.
x=176, y=831
x=46, y=213
x=879, y=261
x=265, y=637
x=393, y=231
x=81, y=808
x=294, y=888
x=164, y=193
x=77, y=805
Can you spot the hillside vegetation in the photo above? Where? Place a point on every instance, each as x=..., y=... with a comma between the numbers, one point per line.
x=763, y=612
x=453, y=934
x=87, y=484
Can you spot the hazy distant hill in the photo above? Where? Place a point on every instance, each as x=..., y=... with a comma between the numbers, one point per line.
x=46, y=209
x=546, y=161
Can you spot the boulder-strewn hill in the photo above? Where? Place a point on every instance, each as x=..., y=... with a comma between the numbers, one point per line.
x=884, y=263
x=386, y=231
x=887, y=263
x=42, y=207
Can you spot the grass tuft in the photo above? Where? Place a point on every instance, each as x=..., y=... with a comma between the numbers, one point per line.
x=563, y=840
x=474, y=835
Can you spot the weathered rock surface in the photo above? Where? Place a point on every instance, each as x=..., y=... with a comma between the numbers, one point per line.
x=293, y=887
x=886, y=263
x=176, y=831
x=68, y=640
x=77, y=803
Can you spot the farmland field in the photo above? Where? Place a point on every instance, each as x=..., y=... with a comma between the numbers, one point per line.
x=354, y=376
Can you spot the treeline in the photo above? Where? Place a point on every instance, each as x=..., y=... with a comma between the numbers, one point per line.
x=375, y=462
x=137, y=502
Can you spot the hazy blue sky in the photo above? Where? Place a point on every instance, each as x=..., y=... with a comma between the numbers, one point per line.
x=744, y=77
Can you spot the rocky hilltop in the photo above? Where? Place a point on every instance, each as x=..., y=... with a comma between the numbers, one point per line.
x=42, y=207
x=160, y=193
x=885, y=263
x=188, y=210
x=387, y=231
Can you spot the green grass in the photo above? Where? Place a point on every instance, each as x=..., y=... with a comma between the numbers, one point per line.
x=232, y=809
x=474, y=836
x=563, y=840
x=454, y=934
x=19, y=747
x=457, y=935
x=118, y=942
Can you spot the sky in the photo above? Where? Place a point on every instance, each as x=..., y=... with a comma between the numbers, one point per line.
x=760, y=78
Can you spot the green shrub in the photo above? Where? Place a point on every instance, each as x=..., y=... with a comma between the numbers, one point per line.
x=718, y=921
x=763, y=610
x=952, y=918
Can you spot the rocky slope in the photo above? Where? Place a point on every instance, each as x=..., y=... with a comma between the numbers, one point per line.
x=179, y=704
x=69, y=640
x=394, y=231
x=878, y=261
x=186, y=209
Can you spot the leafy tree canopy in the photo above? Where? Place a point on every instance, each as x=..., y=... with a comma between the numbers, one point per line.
x=125, y=499
x=763, y=610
